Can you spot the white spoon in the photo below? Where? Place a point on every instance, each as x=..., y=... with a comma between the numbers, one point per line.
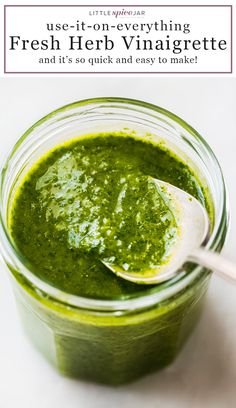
x=194, y=227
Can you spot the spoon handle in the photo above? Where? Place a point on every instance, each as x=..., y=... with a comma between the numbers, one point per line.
x=216, y=262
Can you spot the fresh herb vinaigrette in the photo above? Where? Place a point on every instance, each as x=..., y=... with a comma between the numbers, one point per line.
x=90, y=199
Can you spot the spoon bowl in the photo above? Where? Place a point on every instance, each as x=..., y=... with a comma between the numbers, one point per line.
x=194, y=229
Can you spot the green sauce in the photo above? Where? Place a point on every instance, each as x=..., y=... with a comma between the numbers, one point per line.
x=92, y=199
x=89, y=199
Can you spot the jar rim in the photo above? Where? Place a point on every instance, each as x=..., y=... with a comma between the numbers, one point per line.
x=144, y=299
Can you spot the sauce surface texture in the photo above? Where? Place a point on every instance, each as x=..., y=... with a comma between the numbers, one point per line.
x=93, y=198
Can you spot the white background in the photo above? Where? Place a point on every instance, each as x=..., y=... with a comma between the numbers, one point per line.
x=204, y=374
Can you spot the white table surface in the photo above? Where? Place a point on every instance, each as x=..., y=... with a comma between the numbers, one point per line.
x=204, y=374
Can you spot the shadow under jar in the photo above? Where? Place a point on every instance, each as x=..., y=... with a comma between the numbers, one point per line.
x=111, y=341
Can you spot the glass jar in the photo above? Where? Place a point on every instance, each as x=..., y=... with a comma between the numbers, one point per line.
x=111, y=341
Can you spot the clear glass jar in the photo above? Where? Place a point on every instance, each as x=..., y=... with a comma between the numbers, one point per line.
x=111, y=341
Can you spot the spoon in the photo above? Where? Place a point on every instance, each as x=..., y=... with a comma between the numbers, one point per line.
x=194, y=230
